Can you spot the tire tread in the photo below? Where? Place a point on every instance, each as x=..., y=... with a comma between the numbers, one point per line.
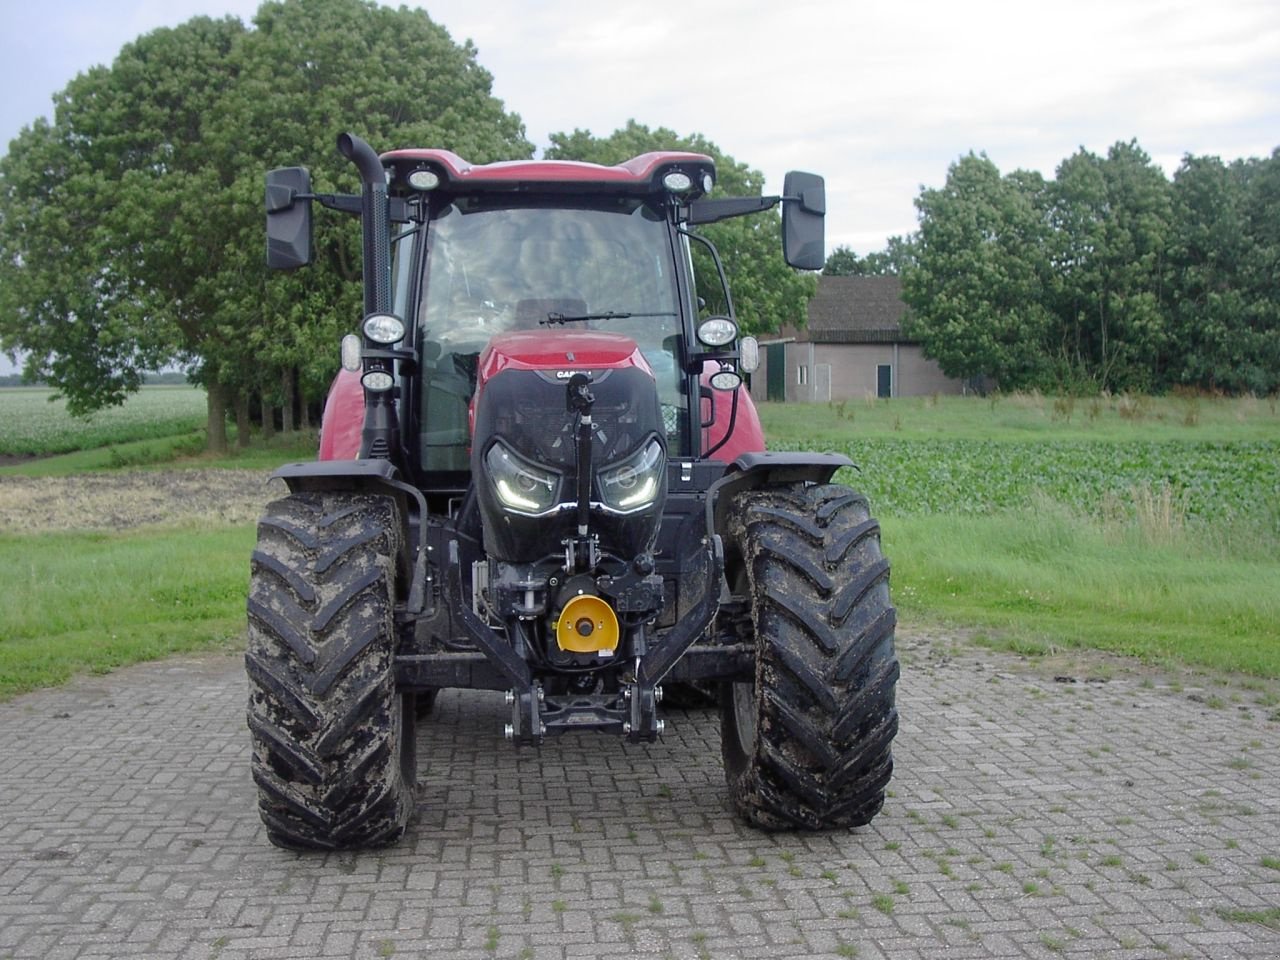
x=826, y=669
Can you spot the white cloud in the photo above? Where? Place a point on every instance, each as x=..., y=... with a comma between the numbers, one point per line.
x=879, y=96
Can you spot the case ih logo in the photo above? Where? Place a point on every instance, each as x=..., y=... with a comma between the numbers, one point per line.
x=566, y=374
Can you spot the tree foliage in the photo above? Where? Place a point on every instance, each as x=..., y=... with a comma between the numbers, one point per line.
x=131, y=227
x=843, y=261
x=1108, y=277
x=766, y=292
x=977, y=289
x=1224, y=320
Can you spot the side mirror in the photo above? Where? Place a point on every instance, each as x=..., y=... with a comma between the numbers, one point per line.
x=804, y=205
x=288, y=201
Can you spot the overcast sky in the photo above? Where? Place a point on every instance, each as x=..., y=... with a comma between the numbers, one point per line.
x=879, y=96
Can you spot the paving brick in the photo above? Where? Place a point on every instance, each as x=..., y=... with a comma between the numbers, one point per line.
x=1027, y=818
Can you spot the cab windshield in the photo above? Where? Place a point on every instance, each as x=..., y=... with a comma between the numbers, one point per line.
x=494, y=269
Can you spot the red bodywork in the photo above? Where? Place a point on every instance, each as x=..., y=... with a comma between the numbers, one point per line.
x=565, y=352
x=562, y=350
x=531, y=350
x=343, y=418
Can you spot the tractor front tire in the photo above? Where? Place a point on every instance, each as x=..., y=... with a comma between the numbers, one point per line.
x=332, y=739
x=807, y=744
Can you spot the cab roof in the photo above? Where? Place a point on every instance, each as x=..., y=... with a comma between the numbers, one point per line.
x=639, y=175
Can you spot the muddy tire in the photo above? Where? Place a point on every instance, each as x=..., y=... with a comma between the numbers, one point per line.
x=807, y=745
x=332, y=739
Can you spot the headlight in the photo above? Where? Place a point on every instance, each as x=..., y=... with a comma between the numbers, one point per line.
x=377, y=380
x=521, y=486
x=677, y=182
x=384, y=328
x=726, y=380
x=633, y=484
x=717, y=331
x=424, y=179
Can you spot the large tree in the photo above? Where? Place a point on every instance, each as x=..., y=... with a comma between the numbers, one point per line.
x=766, y=292
x=976, y=284
x=131, y=228
x=1110, y=218
x=1260, y=275
x=1207, y=307
x=88, y=206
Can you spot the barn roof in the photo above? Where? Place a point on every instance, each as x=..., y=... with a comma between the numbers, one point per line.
x=856, y=310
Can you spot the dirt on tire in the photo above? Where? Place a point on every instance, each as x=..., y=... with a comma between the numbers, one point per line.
x=120, y=501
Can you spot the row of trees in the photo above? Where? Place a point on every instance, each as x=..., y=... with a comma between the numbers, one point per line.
x=131, y=231
x=1109, y=276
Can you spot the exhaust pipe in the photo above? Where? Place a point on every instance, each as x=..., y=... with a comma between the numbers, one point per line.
x=380, y=436
x=375, y=220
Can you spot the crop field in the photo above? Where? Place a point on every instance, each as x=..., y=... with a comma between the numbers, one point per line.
x=1207, y=480
x=33, y=424
x=1149, y=528
x=969, y=456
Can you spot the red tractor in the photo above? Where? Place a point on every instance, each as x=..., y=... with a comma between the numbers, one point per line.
x=540, y=474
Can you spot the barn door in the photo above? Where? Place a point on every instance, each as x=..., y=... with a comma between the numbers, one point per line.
x=776, y=386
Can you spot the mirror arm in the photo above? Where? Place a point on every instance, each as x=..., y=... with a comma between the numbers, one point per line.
x=343, y=202
x=713, y=211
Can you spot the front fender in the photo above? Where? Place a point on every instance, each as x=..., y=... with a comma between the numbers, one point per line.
x=752, y=470
x=372, y=476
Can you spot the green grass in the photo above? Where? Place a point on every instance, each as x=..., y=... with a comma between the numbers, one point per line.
x=1214, y=480
x=1050, y=579
x=83, y=602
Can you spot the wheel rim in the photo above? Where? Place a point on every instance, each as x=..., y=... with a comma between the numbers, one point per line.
x=744, y=716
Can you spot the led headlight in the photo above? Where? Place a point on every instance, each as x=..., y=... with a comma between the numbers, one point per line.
x=717, y=331
x=377, y=380
x=424, y=179
x=633, y=483
x=726, y=380
x=522, y=487
x=384, y=328
x=677, y=182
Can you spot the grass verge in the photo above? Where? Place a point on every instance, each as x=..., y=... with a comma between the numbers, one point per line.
x=81, y=602
x=1054, y=578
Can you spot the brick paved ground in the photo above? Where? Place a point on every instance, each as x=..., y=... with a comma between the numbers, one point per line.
x=1029, y=817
